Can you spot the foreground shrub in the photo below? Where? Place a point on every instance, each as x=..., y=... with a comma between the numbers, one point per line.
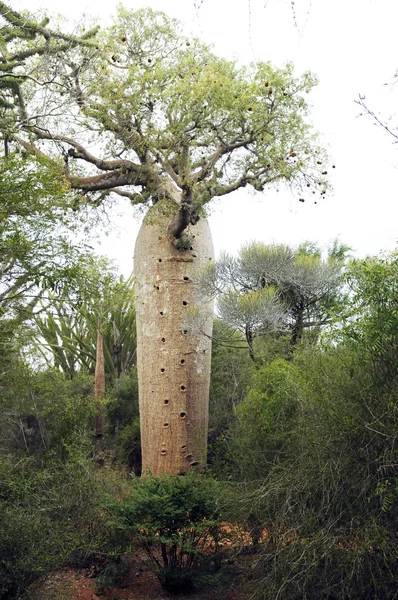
x=176, y=520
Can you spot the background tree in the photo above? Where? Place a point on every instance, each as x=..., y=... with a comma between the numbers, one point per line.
x=231, y=376
x=178, y=126
x=69, y=325
x=23, y=36
x=275, y=290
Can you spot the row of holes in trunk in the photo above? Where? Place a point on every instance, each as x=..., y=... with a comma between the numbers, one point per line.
x=184, y=332
x=182, y=362
x=183, y=415
x=191, y=248
x=194, y=463
x=184, y=303
x=185, y=278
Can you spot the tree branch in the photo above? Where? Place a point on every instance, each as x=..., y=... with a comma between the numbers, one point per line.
x=135, y=198
x=221, y=151
x=361, y=103
x=106, y=181
x=80, y=152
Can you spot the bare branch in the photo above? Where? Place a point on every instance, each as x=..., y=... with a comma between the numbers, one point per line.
x=80, y=152
x=361, y=102
x=135, y=198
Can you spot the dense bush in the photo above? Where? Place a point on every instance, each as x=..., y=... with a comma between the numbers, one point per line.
x=231, y=374
x=123, y=424
x=314, y=448
x=175, y=519
x=49, y=517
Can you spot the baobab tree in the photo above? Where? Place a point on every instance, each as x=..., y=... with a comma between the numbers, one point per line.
x=156, y=117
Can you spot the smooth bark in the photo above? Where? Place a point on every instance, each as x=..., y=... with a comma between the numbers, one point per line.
x=173, y=360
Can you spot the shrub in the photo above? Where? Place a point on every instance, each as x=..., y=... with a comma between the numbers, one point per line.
x=176, y=520
x=49, y=517
x=327, y=494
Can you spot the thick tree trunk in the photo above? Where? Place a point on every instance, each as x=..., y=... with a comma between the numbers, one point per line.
x=173, y=362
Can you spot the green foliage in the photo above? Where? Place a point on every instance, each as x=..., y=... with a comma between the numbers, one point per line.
x=48, y=414
x=230, y=378
x=176, y=519
x=314, y=450
x=203, y=126
x=181, y=79
x=69, y=325
x=49, y=517
x=276, y=291
x=123, y=423
x=265, y=420
x=22, y=36
x=372, y=311
x=34, y=227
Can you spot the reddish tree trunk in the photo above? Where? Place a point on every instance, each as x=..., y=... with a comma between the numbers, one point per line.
x=173, y=361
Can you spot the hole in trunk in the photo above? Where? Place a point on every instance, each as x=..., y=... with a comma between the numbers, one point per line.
x=161, y=313
x=162, y=370
x=194, y=255
x=190, y=248
x=163, y=340
x=183, y=388
x=156, y=287
x=182, y=361
x=163, y=452
x=185, y=331
x=159, y=260
x=184, y=303
x=166, y=402
x=183, y=415
x=188, y=456
x=186, y=278
x=165, y=424
x=184, y=447
x=194, y=463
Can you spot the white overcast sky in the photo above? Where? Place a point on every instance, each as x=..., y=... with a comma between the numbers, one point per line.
x=351, y=46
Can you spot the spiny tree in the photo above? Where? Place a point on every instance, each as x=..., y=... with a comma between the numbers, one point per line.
x=173, y=125
x=276, y=289
x=69, y=324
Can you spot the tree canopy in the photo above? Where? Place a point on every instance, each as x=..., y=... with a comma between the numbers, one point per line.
x=166, y=116
x=276, y=289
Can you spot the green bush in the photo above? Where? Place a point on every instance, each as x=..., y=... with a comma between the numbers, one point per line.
x=231, y=371
x=320, y=476
x=49, y=517
x=176, y=519
x=123, y=423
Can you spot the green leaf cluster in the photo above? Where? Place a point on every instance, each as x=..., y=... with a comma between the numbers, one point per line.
x=177, y=521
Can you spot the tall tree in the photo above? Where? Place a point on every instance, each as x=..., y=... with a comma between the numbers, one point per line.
x=173, y=125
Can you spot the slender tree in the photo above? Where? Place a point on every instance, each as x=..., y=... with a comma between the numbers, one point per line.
x=173, y=126
x=99, y=382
